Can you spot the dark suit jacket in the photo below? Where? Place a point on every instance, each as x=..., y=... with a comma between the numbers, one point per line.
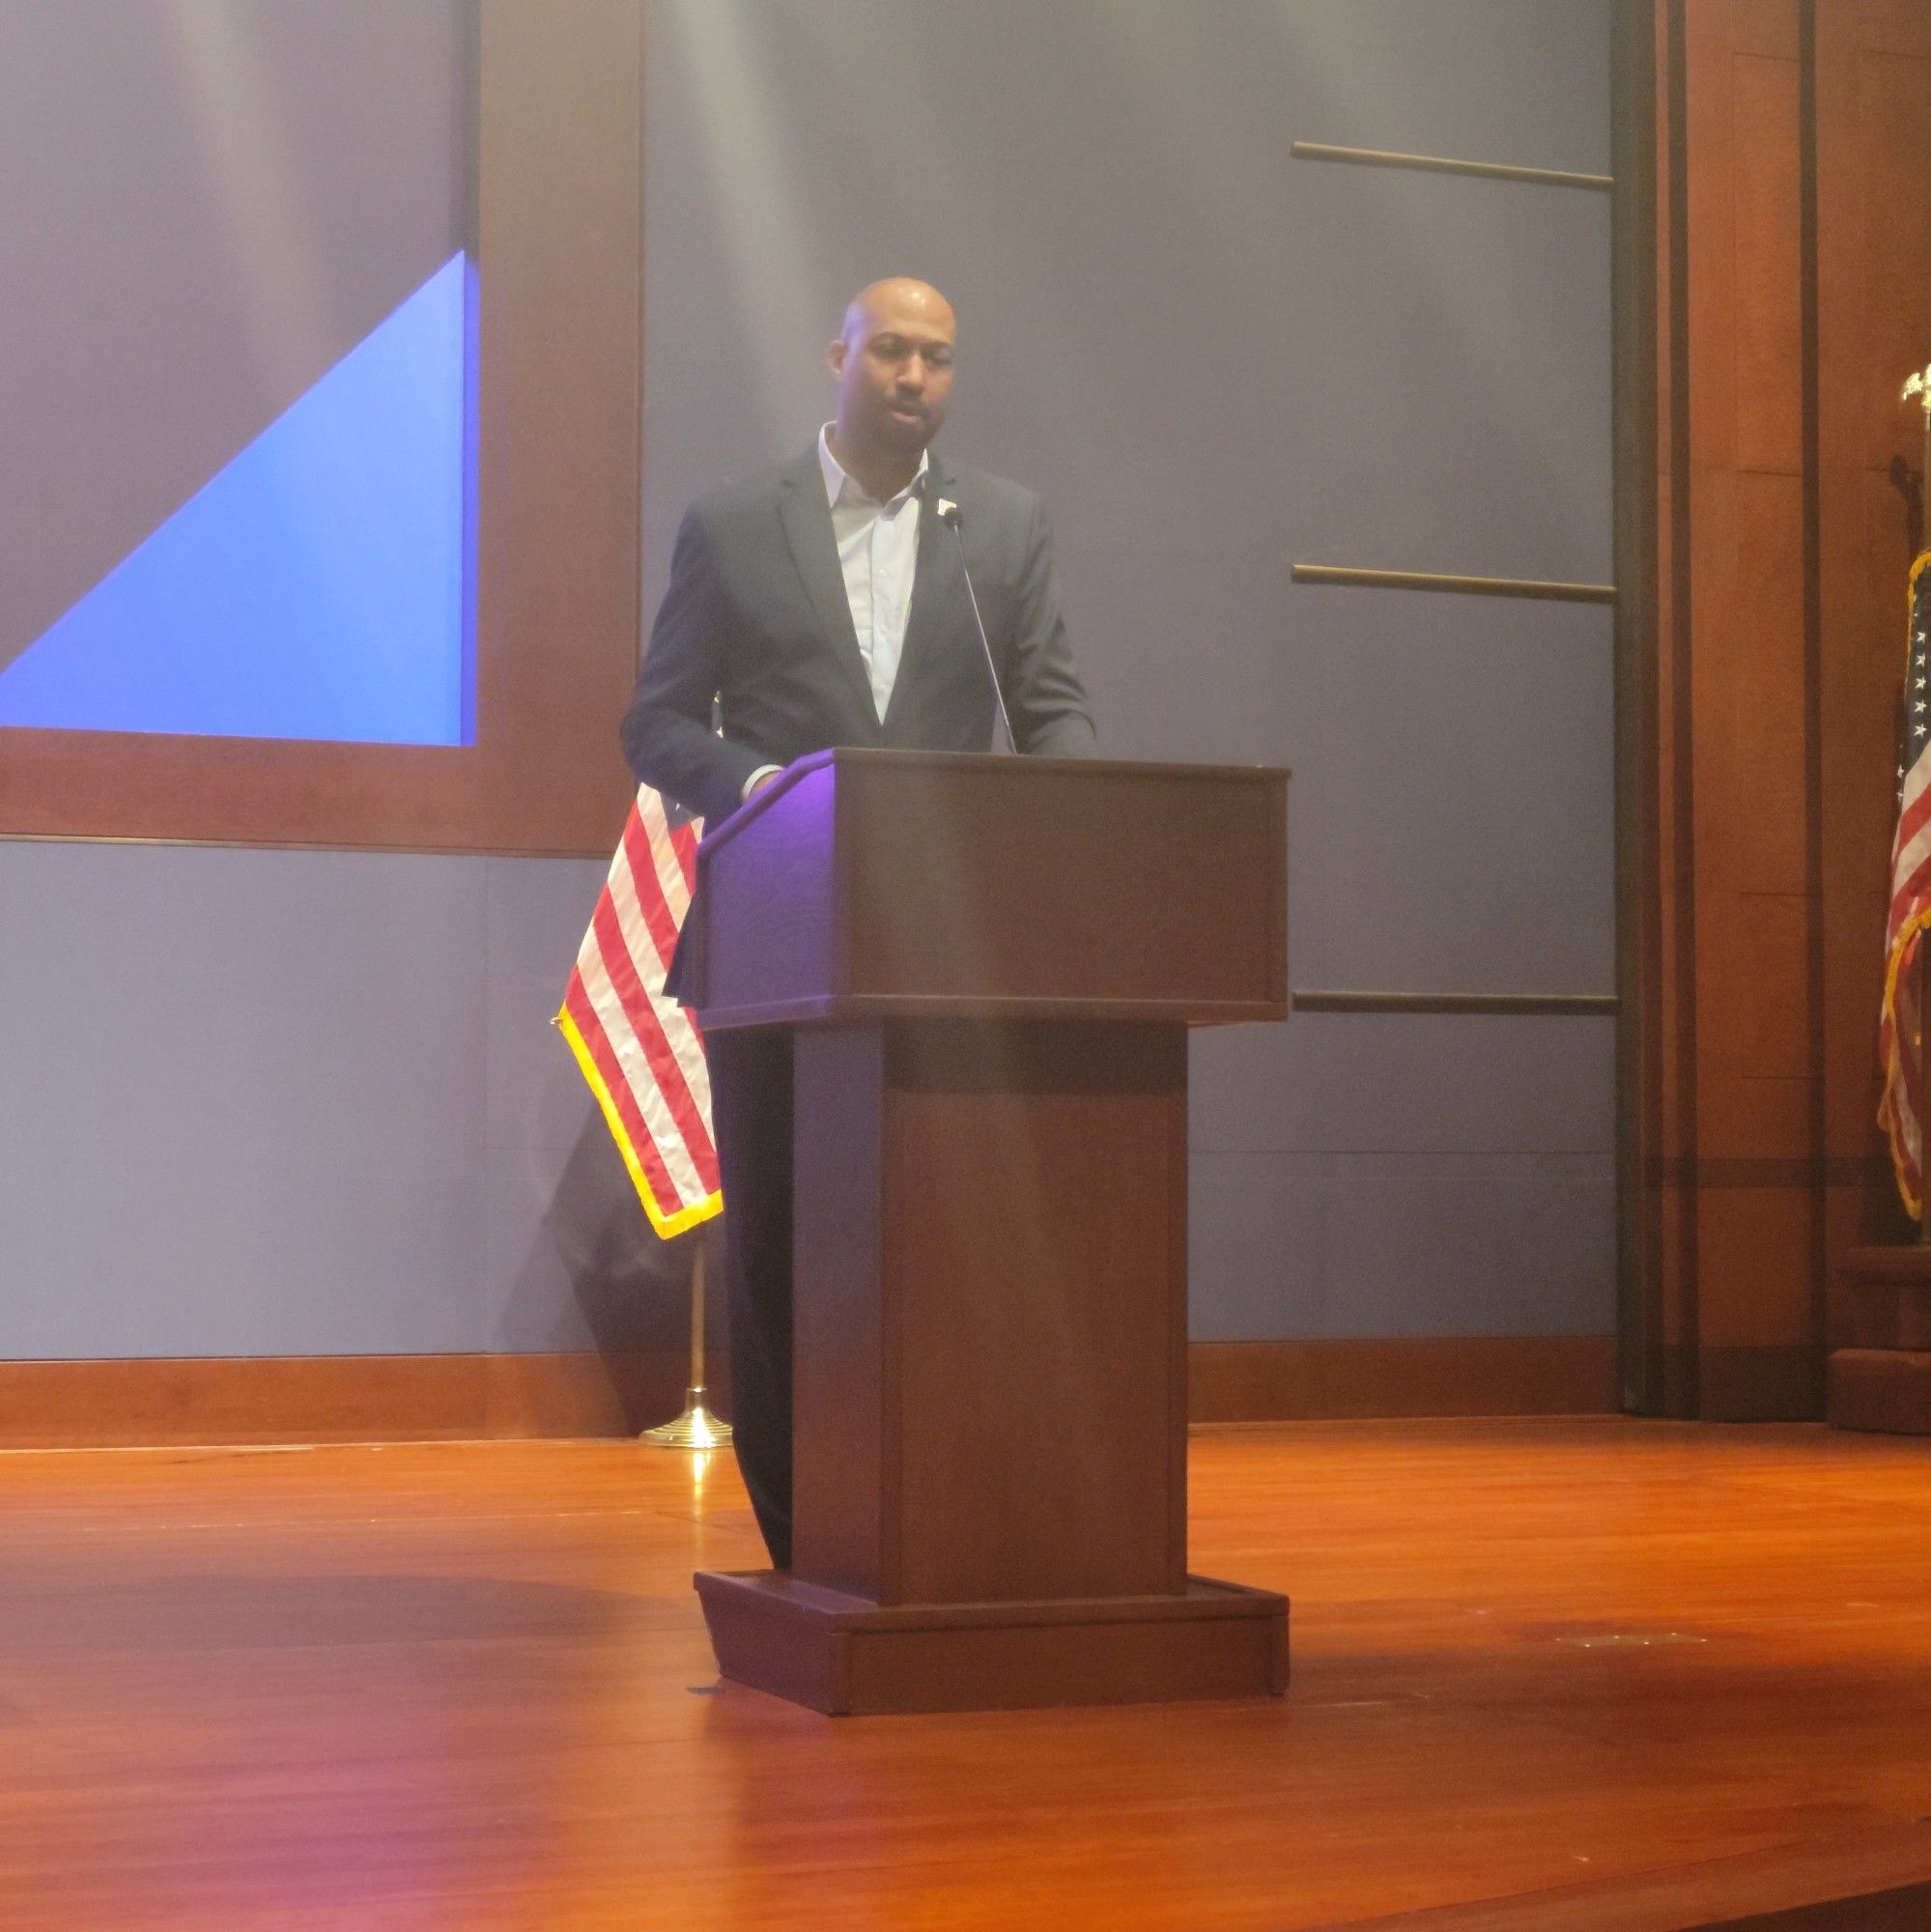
x=755, y=619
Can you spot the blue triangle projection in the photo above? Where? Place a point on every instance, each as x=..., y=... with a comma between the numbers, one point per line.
x=317, y=586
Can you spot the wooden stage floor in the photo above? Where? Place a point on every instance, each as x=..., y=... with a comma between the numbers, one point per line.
x=458, y=1688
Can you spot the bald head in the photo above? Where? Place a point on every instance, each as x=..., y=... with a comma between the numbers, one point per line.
x=896, y=295
x=892, y=361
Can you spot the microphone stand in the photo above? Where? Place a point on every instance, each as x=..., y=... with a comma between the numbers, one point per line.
x=949, y=515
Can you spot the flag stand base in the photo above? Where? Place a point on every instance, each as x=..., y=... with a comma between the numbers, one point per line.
x=696, y=1428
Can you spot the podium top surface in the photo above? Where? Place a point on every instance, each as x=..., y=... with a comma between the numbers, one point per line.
x=871, y=757
x=865, y=882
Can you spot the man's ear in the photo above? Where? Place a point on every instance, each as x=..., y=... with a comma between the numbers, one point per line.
x=834, y=356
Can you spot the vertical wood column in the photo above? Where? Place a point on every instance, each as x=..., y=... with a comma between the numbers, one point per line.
x=1790, y=213
x=1723, y=987
x=561, y=199
x=1873, y=95
x=1752, y=888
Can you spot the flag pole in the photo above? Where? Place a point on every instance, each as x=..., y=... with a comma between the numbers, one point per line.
x=697, y=1428
x=1917, y=388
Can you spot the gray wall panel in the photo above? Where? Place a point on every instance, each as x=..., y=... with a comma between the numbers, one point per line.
x=1152, y=619
x=1217, y=361
x=1184, y=334
x=275, y=1102
x=1258, y=1244
x=1451, y=821
x=1350, y=1246
x=1497, y=80
x=1405, y=1083
x=534, y=914
x=569, y=1261
x=1456, y=416
x=1459, y=1244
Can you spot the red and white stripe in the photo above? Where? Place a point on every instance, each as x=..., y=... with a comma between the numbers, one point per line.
x=641, y=1051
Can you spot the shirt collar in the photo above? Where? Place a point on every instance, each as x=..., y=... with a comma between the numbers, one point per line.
x=838, y=482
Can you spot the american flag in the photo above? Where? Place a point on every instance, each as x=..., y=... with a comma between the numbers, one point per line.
x=1901, y=1024
x=640, y=1051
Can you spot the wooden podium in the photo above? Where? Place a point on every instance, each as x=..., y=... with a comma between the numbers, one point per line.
x=989, y=966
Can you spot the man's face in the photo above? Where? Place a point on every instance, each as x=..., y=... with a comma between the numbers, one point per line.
x=893, y=365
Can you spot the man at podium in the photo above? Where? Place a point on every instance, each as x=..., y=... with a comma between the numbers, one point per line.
x=865, y=593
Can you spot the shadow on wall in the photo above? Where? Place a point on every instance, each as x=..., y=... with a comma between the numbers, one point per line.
x=630, y=1291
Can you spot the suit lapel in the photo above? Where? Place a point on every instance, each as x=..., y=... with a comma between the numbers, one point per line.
x=937, y=593
x=807, y=518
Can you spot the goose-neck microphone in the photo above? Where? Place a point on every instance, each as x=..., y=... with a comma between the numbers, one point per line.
x=948, y=513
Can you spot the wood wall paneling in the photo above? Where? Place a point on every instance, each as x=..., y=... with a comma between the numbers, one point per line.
x=559, y=254
x=560, y=188
x=1731, y=985
x=1768, y=28
x=1755, y=663
x=1792, y=219
x=1893, y=26
x=127, y=1404
x=1658, y=900
x=1855, y=722
x=1766, y=287
x=413, y=1398
x=1538, y=1374
x=1873, y=282
x=1892, y=133
x=1752, y=888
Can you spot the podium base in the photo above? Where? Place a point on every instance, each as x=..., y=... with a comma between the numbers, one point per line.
x=846, y=1656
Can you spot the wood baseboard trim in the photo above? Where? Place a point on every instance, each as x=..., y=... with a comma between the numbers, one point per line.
x=1487, y=1374
x=279, y=1399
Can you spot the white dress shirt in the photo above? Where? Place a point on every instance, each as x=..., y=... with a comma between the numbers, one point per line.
x=878, y=553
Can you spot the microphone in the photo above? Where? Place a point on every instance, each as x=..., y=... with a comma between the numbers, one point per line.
x=948, y=513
